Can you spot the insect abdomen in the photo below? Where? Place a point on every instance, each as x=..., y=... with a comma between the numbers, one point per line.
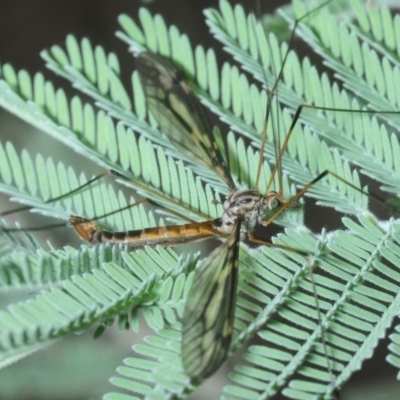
x=165, y=235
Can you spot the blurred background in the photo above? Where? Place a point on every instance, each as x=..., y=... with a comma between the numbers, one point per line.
x=78, y=367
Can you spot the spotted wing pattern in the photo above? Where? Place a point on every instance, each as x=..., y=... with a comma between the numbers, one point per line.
x=179, y=113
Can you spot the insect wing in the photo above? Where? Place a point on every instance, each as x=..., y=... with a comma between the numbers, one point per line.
x=179, y=113
x=209, y=311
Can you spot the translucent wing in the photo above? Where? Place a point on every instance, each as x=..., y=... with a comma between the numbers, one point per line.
x=179, y=113
x=209, y=311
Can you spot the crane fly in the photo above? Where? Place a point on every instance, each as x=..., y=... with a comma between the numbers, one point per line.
x=209, y=311
x=207, y=323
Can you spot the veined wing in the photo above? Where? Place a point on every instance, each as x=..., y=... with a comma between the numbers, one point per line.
x=179, y=112
x=209, y=311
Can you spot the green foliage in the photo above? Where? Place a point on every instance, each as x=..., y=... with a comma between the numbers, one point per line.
x=356, y=269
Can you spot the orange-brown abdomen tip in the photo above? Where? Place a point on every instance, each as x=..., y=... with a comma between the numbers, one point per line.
x=85, y=228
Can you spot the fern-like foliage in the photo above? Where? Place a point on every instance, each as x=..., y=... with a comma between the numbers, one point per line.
x=356, y=268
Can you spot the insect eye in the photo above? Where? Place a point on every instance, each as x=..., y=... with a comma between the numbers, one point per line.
x=274, y=203
x=246, y=200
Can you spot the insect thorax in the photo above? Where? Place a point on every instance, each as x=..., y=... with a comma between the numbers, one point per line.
x=249, y=205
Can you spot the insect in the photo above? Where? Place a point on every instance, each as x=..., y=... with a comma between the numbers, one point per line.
x=208, y=229
x=207, y=323
x=209, y=312
x=207, y=328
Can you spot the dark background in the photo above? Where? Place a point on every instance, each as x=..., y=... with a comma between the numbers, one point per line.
x=26, y=28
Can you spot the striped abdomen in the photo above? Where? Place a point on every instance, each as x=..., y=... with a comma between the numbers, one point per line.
x=171, y=235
